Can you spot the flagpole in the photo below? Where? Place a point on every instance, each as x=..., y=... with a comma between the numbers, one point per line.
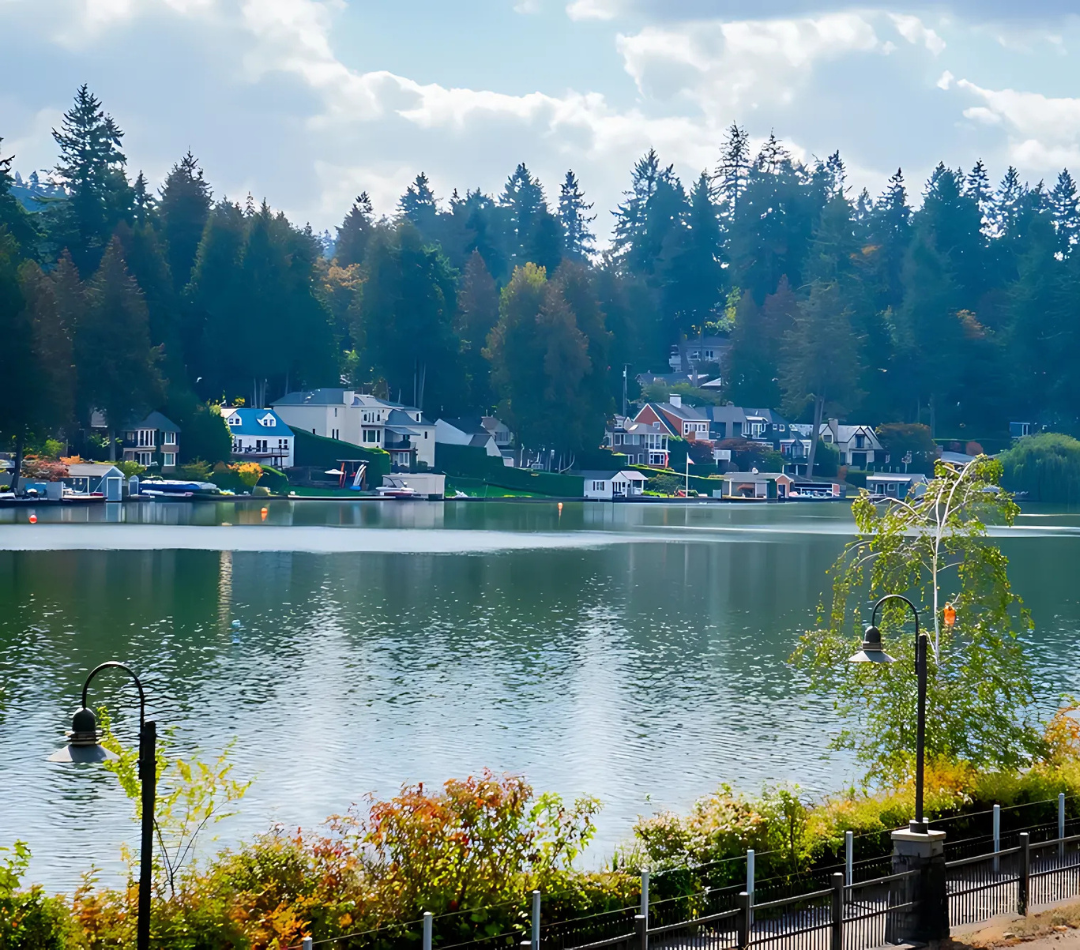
x=687, y=489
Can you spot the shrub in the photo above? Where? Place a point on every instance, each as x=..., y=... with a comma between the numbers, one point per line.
x=28, y=919
x=130, y=467
x=1045, y=466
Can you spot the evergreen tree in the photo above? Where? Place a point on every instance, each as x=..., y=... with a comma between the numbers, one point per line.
x=574, y=215
x=477, y=314
x=117, y=365
x=18, y=406
x=733, y=170
x=91, y=166
x=694, y=276
x=355, y=232
x=1066, y=214
x=13, y=216
x=52, y=324
x=184, y=210
x=1008, y=200
x=407, y=313
x=419, y=207
x=977, y=187
x=145, y=258
x=523, y=199
x=757, y=347
x=821, y=360
x=142, y=201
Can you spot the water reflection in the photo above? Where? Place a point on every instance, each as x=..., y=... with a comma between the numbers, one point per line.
x=626, y=670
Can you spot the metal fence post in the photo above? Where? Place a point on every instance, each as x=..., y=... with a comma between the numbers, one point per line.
x=535, y=920
x=750, y=870
x=645, y=895
x=1024, y=883
x=306, y=944
x=837, y=942
x=743, y=920
x=849, y=858
x=427, y=929
x=1061, y=825
x=641, y=926
x=997, y=838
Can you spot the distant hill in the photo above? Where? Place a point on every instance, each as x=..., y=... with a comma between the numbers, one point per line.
x=31, y=191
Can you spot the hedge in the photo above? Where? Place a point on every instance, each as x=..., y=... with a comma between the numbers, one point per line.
x=467, y=461
x=317, y=451
x=703, y=486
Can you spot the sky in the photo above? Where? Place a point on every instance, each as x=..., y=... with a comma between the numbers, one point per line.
x=306, y=103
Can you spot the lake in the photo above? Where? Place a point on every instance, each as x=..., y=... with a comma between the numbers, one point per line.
x=634, y=652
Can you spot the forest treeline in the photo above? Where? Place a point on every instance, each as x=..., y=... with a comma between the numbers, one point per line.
x=121, y=296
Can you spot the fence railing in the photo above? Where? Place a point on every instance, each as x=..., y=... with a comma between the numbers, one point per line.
x=857, y=905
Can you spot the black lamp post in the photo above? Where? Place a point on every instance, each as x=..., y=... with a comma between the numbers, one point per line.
x=83, y=747
x=873, y=652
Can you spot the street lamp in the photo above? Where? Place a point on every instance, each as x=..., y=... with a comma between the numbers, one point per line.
x=83, y=747
x=873, y=652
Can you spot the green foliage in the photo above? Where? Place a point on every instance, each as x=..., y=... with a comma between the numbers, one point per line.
x=664, y=484
x=692, y=395
x=935, y=549
x=28, y=919
x=196, y=471
x=319, y=452
x=468, y=461
x=129, y=467
x=899, y=439
x=1045, y=466
x=827, y=462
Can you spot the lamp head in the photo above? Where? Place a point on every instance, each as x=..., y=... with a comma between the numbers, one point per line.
x=871, y=650
x=83, y=745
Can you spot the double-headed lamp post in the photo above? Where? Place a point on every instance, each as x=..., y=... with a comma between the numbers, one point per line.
x=873, y=652
x=83, y=747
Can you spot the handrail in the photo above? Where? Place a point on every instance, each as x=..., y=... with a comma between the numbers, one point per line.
x=811, y=895
x=709, y=919
x=1003, y=853
x=887, y=879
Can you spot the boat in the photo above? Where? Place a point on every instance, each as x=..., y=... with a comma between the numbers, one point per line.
x=401, y=493
x=165, y=488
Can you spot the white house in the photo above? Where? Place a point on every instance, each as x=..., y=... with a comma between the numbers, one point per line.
x=363, y=420
x=260, y=435
x=608, y=486
x=758, y=485
x=858, y=445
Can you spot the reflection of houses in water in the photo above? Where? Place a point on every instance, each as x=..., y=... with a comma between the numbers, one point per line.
x=225, y=590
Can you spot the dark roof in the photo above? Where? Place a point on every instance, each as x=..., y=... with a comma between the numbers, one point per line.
x=688, y=413
x=481, y=438
x=155, y=421
x=600, y=476
x=725, y=413
x=313, y=397
x=469, y=424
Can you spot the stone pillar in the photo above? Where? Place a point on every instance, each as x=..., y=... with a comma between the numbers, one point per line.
x=928, y=921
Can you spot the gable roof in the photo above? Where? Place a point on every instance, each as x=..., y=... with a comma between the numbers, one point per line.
x=628, y=474
x=250, y=423
x=155, y=421
x=466, y=424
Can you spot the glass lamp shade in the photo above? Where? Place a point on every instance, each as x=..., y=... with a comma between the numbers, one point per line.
x=83, y=746
x=872, y=651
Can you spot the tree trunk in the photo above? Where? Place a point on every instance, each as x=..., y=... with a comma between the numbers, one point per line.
x=20, y=445
x=819, y=411
x=112, y=444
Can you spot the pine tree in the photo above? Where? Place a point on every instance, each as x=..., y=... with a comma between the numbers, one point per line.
x=51, y=320
x=1065, y=212
x=355, y=231
x=477, y=314
x=1008, y=200
x=117, y=365
x=733, y=170
x=13, y=216
x=821, y=360
x=575, y=218
x=523, y=199
x=184, y=209
x=419, y=207
x=145, y=258
x=693, y=279
x=17, y=369
x=142, y=201
x=977, y=187
x=91, y=165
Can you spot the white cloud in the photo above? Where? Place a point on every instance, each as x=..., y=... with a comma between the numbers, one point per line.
x=527, y=7
x=912, y=29
x=1044, y=131
x=946, y=80
x=594, y=9
x=729, y=66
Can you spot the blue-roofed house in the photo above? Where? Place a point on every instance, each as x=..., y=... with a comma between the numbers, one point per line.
x=259, y=435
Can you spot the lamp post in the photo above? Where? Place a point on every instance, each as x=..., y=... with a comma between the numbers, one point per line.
x=83, y=747
x=873, y=652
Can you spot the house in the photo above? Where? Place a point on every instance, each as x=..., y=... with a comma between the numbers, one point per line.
x=1017, y=430
x=260, y=435
x=607, y=486
x=762, y=485
x=896, y=485
x=643, y=443
x=684, y=422
x=360, y=419
x=815, y=488
x=469, y=432
x=153, y=443
x=93, y=478
x=737, y=422
x=690, y=354
x=858, y=445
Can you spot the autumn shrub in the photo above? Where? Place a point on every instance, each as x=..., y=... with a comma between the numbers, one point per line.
x=29, y=920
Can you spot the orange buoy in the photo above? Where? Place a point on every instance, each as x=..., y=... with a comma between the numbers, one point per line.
x=264, y=512
x=33, y=519
x=560, y=507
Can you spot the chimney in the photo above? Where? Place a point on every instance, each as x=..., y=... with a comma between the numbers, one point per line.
x=675, y=399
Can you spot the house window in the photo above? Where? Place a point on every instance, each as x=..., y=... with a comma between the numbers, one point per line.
x=597, y=486
x=370, y=435
x=170, y=460
x=143, y=458
x=267, y=421
x=618, y=438
x=234, y=421
x=146, y=437
x=335, y=413
x=283, y=444
x=170, y=438
x=860, y=441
